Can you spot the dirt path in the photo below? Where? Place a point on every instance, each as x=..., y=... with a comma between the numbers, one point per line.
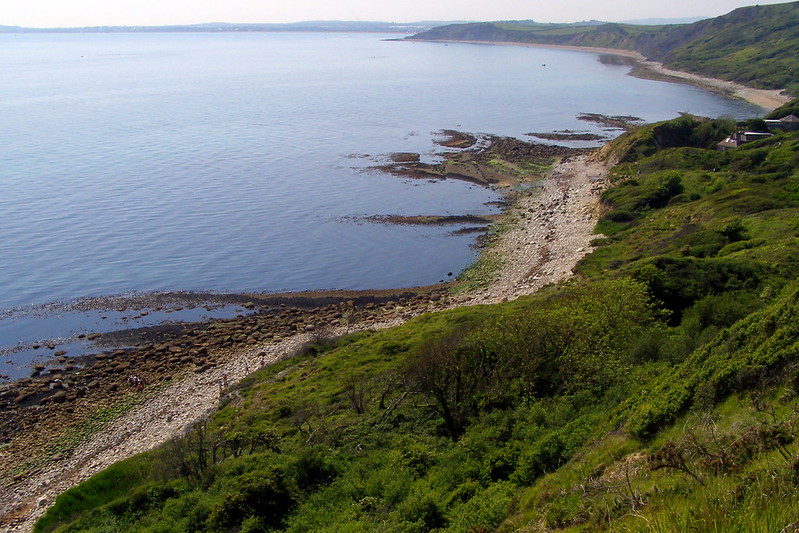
x=552, y=232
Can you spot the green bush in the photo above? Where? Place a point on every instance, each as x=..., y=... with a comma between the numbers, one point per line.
x=312, y=468
x=737, y=359
x=486, y=510
x=422, y=508
x=678, y=283
x=663, y=191
x=268, y=495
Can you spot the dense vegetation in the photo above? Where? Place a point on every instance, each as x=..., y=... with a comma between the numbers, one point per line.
x=756, y=45
x=658, y=391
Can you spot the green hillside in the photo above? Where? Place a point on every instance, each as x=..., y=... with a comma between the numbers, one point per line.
x=657, y=391
x=757, y=46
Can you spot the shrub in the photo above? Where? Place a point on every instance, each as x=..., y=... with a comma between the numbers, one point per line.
x=662, y=191
x=679, y=282
x=734, y=361
x=735, y=230
x=422, y=507
x=266, y=495
x=486, y=510
x=312, y=469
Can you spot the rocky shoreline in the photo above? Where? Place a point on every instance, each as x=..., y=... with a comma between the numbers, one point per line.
x=476, y=161
x=45, y=417
x=61, y=427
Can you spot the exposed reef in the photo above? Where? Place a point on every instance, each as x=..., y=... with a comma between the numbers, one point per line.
x=487, y=161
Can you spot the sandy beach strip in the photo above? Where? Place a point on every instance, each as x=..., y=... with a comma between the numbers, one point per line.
x=593, y=49
x=767, y=99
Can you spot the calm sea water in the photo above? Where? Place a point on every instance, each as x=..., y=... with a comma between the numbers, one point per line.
x=240, y=162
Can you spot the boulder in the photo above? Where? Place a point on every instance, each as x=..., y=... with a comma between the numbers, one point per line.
x=58, y=397
x=21, y=397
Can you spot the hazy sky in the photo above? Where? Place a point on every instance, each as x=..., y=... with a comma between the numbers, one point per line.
x=52, y=13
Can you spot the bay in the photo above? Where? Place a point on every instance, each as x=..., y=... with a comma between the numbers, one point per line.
x=238, y=162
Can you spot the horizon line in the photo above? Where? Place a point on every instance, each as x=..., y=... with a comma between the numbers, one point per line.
x=233, y=25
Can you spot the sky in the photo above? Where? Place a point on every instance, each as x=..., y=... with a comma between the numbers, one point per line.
x=75, y=13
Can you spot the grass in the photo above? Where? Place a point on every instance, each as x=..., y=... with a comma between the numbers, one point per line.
x=614, y=484
x=657, y=392
x=103, y=488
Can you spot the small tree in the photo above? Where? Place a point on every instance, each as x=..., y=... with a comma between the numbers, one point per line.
x=190, y=454
x=450, y=372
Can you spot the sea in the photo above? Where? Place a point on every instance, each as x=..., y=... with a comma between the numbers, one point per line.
x=137, y=163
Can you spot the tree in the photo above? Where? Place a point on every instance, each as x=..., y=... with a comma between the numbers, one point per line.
x=450, y=372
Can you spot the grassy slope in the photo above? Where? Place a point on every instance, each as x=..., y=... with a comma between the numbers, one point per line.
x=757, y=45
x=670, y=415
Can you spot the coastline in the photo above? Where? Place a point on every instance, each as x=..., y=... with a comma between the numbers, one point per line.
x=547, y=230
x=767, y=99
x=550, y=229
x=643, y=68
x=102, y=419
